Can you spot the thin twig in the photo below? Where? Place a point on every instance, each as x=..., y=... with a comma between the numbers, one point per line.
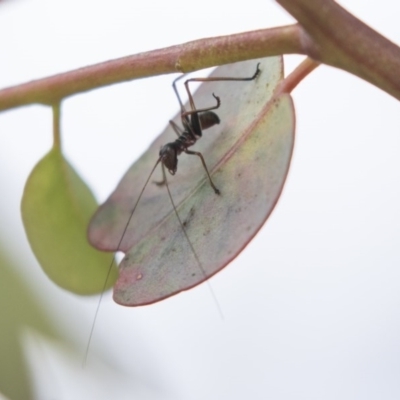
x=326, y=33
x=292, y=80
x=56, y=125
x=181, y=58
x=333, y=36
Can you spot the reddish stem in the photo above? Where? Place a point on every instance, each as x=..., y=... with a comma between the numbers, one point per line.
x=181, y=58
x=301, y=71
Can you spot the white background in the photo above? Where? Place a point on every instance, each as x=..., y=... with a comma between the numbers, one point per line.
x=312, y=306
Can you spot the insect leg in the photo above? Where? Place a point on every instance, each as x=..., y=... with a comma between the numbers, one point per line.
x=184, y=113
x=176, y=91
x=195, y=111
x=216, y=78
x=178, y=130
x=160, y=183
x=196, y=153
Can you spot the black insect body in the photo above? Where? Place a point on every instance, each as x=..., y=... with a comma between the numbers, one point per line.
x=193, y=121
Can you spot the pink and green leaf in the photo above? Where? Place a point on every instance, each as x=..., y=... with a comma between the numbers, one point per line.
x=248, y=155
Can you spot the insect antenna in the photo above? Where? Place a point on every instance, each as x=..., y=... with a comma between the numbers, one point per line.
x=190, y=244
x=113, y=260
x=193, y=121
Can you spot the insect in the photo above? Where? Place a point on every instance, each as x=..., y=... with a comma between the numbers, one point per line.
x=193, y=121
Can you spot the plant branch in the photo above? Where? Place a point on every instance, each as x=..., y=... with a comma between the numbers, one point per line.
x=291, y=81
x=181, y=58
x=326, y=32
x=56, y=125
x=335, y=37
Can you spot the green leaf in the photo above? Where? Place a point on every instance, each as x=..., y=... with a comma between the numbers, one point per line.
x=248, y=155
x=19, y=309
x=56, y=208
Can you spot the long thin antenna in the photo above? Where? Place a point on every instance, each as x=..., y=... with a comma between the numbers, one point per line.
x=168, y=156
x=112, y=263
x=191, y=246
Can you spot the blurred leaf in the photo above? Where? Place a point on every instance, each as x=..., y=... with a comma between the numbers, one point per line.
x=248, y=155
x=18, y=309
x=56, y=208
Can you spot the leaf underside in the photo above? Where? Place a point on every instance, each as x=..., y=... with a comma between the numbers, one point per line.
x=248, y=155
